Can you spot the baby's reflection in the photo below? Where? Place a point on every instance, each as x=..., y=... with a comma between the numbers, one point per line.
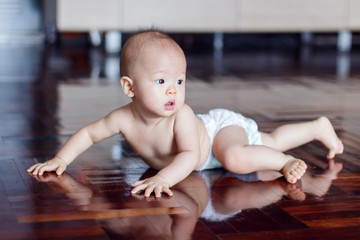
x=175, y=226
x=211, y=195
x=232, y=193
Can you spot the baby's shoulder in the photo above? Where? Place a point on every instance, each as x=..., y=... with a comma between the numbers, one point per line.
x=123, y=113
x=185, y=114
x=185, y=110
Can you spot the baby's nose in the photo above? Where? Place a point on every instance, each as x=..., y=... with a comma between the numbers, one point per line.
x=171, y=90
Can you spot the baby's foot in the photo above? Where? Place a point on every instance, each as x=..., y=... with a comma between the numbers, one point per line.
x=328, y=137
x=293, y=170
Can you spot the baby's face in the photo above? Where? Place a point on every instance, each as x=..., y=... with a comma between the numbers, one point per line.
x=159, y=79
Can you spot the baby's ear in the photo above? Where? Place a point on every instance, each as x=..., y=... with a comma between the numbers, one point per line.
x=127, y=86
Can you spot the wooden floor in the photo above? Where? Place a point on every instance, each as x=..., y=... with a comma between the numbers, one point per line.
x=68, y=88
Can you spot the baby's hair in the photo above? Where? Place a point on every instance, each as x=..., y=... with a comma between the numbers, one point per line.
x=149, y=29
x=133, y=46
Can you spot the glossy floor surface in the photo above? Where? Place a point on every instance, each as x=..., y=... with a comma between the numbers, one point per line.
x=48, y=93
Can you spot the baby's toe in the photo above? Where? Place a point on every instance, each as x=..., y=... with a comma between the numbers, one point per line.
x=331, y=154
x=292, y=179
x=297, y=169
x=293, y=174
x=303, y=165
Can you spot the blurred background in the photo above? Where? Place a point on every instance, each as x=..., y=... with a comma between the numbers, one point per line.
x=83, y=38
x=48, y=45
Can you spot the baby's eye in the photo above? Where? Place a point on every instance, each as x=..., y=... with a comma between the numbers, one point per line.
x=160, y=81
x=179, y=82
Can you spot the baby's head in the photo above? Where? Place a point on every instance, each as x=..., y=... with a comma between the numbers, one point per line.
x=153, y=72
x=144, y=42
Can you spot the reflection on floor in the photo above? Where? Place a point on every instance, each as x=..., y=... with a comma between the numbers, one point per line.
x=92, y=200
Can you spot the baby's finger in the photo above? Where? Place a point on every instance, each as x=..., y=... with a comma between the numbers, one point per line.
x=167, y=191
x=60, y=170
x=137, y=183
x=46, y=168
x=138, y=188
x=30, y=169
x=149, y=190
x=35, y=171
x=42, y=170
x=157, y=191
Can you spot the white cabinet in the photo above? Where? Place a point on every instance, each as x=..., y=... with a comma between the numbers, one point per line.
x=354, y=15
x=209, y=15
x=292, y=15
x=86, y=15
x=180, y=15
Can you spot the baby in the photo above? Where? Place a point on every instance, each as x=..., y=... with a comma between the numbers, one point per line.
x=169, y=137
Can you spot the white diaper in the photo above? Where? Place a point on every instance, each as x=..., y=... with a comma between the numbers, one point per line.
x=217, y=119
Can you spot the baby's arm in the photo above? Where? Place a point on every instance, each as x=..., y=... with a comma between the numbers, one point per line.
x=186, y=160
x=78, y=143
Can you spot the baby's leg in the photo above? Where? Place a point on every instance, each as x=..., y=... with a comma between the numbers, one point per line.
x=231, y=148
x=293, y=135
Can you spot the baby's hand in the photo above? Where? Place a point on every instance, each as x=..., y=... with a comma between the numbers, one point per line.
x=155, y=184
x=55, y=164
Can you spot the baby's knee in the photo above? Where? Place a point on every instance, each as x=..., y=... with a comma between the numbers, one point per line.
x=236, y=159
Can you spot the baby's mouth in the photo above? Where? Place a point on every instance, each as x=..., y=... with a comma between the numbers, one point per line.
x=170, y=105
